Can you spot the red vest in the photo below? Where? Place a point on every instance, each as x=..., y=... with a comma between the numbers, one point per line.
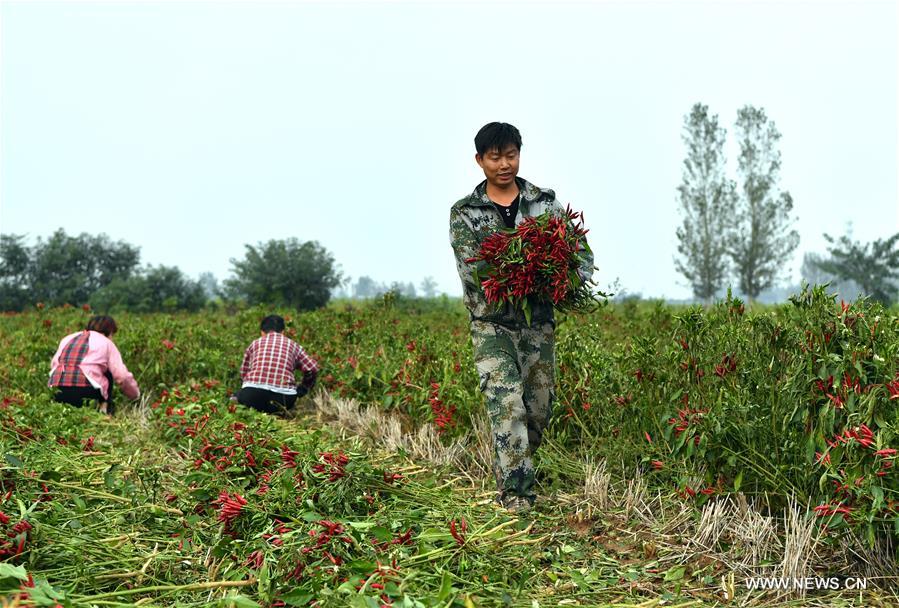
x=68, y=372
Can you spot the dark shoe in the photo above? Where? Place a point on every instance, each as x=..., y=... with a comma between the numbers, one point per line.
x=515, y=504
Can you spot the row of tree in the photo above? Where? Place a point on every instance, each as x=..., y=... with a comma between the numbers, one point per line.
x=366, y=287
x=740, y=232
x=107, y=275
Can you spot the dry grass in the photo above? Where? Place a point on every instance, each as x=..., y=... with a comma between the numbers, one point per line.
x=386, y=430
x=729, y=530
x=477, y=459
x=138, y=414
x=801, y=540
x=597, y=481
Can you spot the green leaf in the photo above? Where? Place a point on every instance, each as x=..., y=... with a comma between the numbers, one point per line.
x=738, y=481
x=675, y=573
x=392, y=589
x=42, y=594
x=201, y=495
x=362, y=565
x=578, y=579
x=237, y=601
x=296, y=598
x=362, y=601
x=810, y=449
x=264, y=580
x=446, y=587
x=877, y=491
x=350, y=585
x=10, y=571
x=14, y=461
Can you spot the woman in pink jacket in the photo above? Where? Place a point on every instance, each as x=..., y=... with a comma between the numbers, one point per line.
x=85, y=365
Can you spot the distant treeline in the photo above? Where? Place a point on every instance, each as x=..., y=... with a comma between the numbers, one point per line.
x=108, y=275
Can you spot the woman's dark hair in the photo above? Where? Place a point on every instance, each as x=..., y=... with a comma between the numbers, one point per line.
x=103, y=324
x=496, y=136
x=272, y=323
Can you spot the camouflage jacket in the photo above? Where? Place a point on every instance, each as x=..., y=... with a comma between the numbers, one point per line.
x=472, y=219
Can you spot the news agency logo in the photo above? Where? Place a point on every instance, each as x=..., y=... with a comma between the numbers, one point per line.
x=808, y=583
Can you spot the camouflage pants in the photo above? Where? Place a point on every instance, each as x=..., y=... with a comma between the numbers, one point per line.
x=517, y=373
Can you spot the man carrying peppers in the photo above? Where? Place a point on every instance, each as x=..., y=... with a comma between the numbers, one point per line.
x=514, y=359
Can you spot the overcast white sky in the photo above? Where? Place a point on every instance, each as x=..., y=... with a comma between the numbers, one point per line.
x=190, y=129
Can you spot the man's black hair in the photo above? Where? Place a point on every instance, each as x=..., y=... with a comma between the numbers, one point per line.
x=272, y=323
x=496, y=136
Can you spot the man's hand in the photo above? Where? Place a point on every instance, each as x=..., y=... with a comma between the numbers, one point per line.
x=584, y=277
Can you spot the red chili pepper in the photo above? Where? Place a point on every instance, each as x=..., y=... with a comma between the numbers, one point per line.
x=230, y=506
x=458, y=534
x=403, y=539
x=288, y=457
x=893, y=388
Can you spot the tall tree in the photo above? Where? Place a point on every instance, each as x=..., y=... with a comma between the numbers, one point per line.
x=210, y=285
x=15, y=260
x=706, y=199
x=874, y=266
x=402, y=289
x=367, y=287
x=429, y=287
x=285, y=273
x=812, y=273
x=763, y=241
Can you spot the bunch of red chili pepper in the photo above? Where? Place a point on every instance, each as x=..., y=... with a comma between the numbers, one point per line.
x=229, y=506
x=539, y=258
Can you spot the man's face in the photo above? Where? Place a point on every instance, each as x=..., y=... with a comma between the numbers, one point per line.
x=500, y=166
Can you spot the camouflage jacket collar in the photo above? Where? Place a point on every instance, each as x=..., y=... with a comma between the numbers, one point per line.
x=529, y=193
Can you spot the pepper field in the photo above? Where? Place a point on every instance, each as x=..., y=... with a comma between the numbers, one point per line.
x=692, y=451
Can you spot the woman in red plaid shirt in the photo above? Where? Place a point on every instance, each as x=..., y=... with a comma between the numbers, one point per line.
x=267, y=370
